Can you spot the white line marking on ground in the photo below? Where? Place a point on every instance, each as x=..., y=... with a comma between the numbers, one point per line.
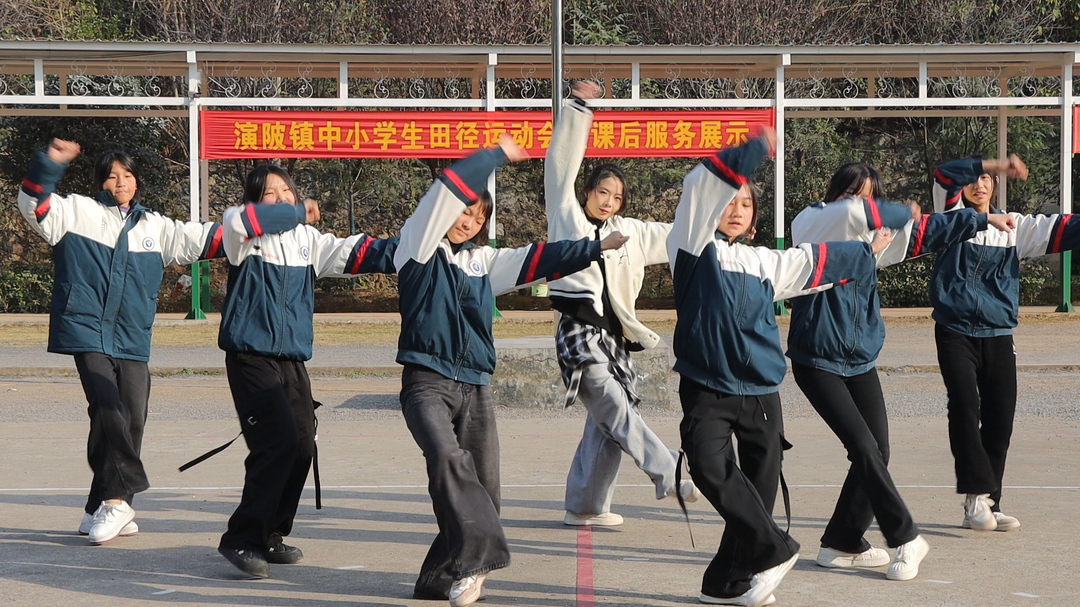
x=159, y=592
x=537, y=486
x=633, y=558
x=351, y=567
x=938, y=582
x=1026, y=595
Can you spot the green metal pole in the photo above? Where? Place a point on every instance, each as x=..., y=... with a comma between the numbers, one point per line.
x=204, y=288
x=780, y=308
x=1066, y=283
x=196, y=312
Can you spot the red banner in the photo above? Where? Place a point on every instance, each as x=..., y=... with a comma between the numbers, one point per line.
x=1076, y=131
x=378, y=134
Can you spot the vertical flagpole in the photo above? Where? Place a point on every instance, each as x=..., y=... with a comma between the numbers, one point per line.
x=556, y=59
x=1067, y=151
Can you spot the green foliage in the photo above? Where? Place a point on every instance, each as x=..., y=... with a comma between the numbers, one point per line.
x=600, y=22
x=25, y=288
x=1038, y=284
x=906, y=285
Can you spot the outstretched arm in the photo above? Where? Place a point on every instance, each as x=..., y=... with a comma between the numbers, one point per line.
x=809, y=268
x=1046, y=234
x=939, y=231
x=455, y=189
x=569, y=140
x=951, y=177
x=352, y=256
x=710, y=187
x=185, y=242
x=509, y=269
x=50, y=215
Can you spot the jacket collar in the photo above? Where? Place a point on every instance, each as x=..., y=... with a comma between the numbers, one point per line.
x=105, y=197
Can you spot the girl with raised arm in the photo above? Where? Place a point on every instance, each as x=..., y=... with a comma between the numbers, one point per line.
x=267, y=333
x=597, y=327
x=833, y=343
x=447, y=280
x=109, y=253
x=727, y=350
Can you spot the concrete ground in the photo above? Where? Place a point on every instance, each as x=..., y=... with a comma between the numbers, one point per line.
x=365, y=546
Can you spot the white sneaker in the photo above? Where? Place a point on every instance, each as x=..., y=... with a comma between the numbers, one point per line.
x=604, y=519
x=689, y=492
x=908, y=556
x=735, y=600
x=1004, y=522
x=764, y=583
x=109, y=520
x=467, y=590
x=977, y=513
x=874, y=557
x=131, y=528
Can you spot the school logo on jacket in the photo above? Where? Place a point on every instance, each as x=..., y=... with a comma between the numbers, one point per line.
x=304, y=253
x=148, y=243
x=476, y=268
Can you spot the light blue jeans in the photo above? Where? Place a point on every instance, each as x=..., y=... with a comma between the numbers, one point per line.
x=612, y=427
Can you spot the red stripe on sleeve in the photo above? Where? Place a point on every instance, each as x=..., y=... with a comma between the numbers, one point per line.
x=723, y=168
x=30, y=185
x=465, y=189
x=919, y=233
x=874, y=213
x=942, y=178
x=535, y=261
x=1060, y=232
x=360, y=256
x=249, y=210
x=822, y=251
x=954, y=199
x=215, y=243
x=42, y=208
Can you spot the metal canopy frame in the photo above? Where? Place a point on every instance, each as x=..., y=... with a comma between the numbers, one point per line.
x=127, y=79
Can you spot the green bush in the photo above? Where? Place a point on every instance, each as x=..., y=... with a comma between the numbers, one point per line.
x=906, y=285
x=26, y=288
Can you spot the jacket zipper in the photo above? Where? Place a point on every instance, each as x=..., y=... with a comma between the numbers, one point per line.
x=284, y=293
x=741, y=313
x=854, y=324
x=468, y=334
x=975, y=287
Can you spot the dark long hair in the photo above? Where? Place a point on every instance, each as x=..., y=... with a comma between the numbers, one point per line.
x=256, y=182
x=484, y=200
x=993, y=176
x=601, y=173
x=755, y=194
x=849, y=179
x=104, y=163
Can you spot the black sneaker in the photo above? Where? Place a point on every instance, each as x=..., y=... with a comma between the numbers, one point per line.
x=251, y=563
x=280, y=553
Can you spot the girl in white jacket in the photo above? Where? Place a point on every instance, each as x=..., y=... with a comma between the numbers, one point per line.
x=597, y=327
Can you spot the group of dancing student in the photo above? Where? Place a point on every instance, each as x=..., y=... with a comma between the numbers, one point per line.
x=110, y=251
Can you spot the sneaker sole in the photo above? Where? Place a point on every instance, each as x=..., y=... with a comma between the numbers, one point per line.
x=591, y=522
x=108, y=538
x=847, y=563
x=907, y=576
x=283, y=559
x=242, y=565
x=967, y=525
x=783, y=569
x=128, y=530
x=738, y=600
